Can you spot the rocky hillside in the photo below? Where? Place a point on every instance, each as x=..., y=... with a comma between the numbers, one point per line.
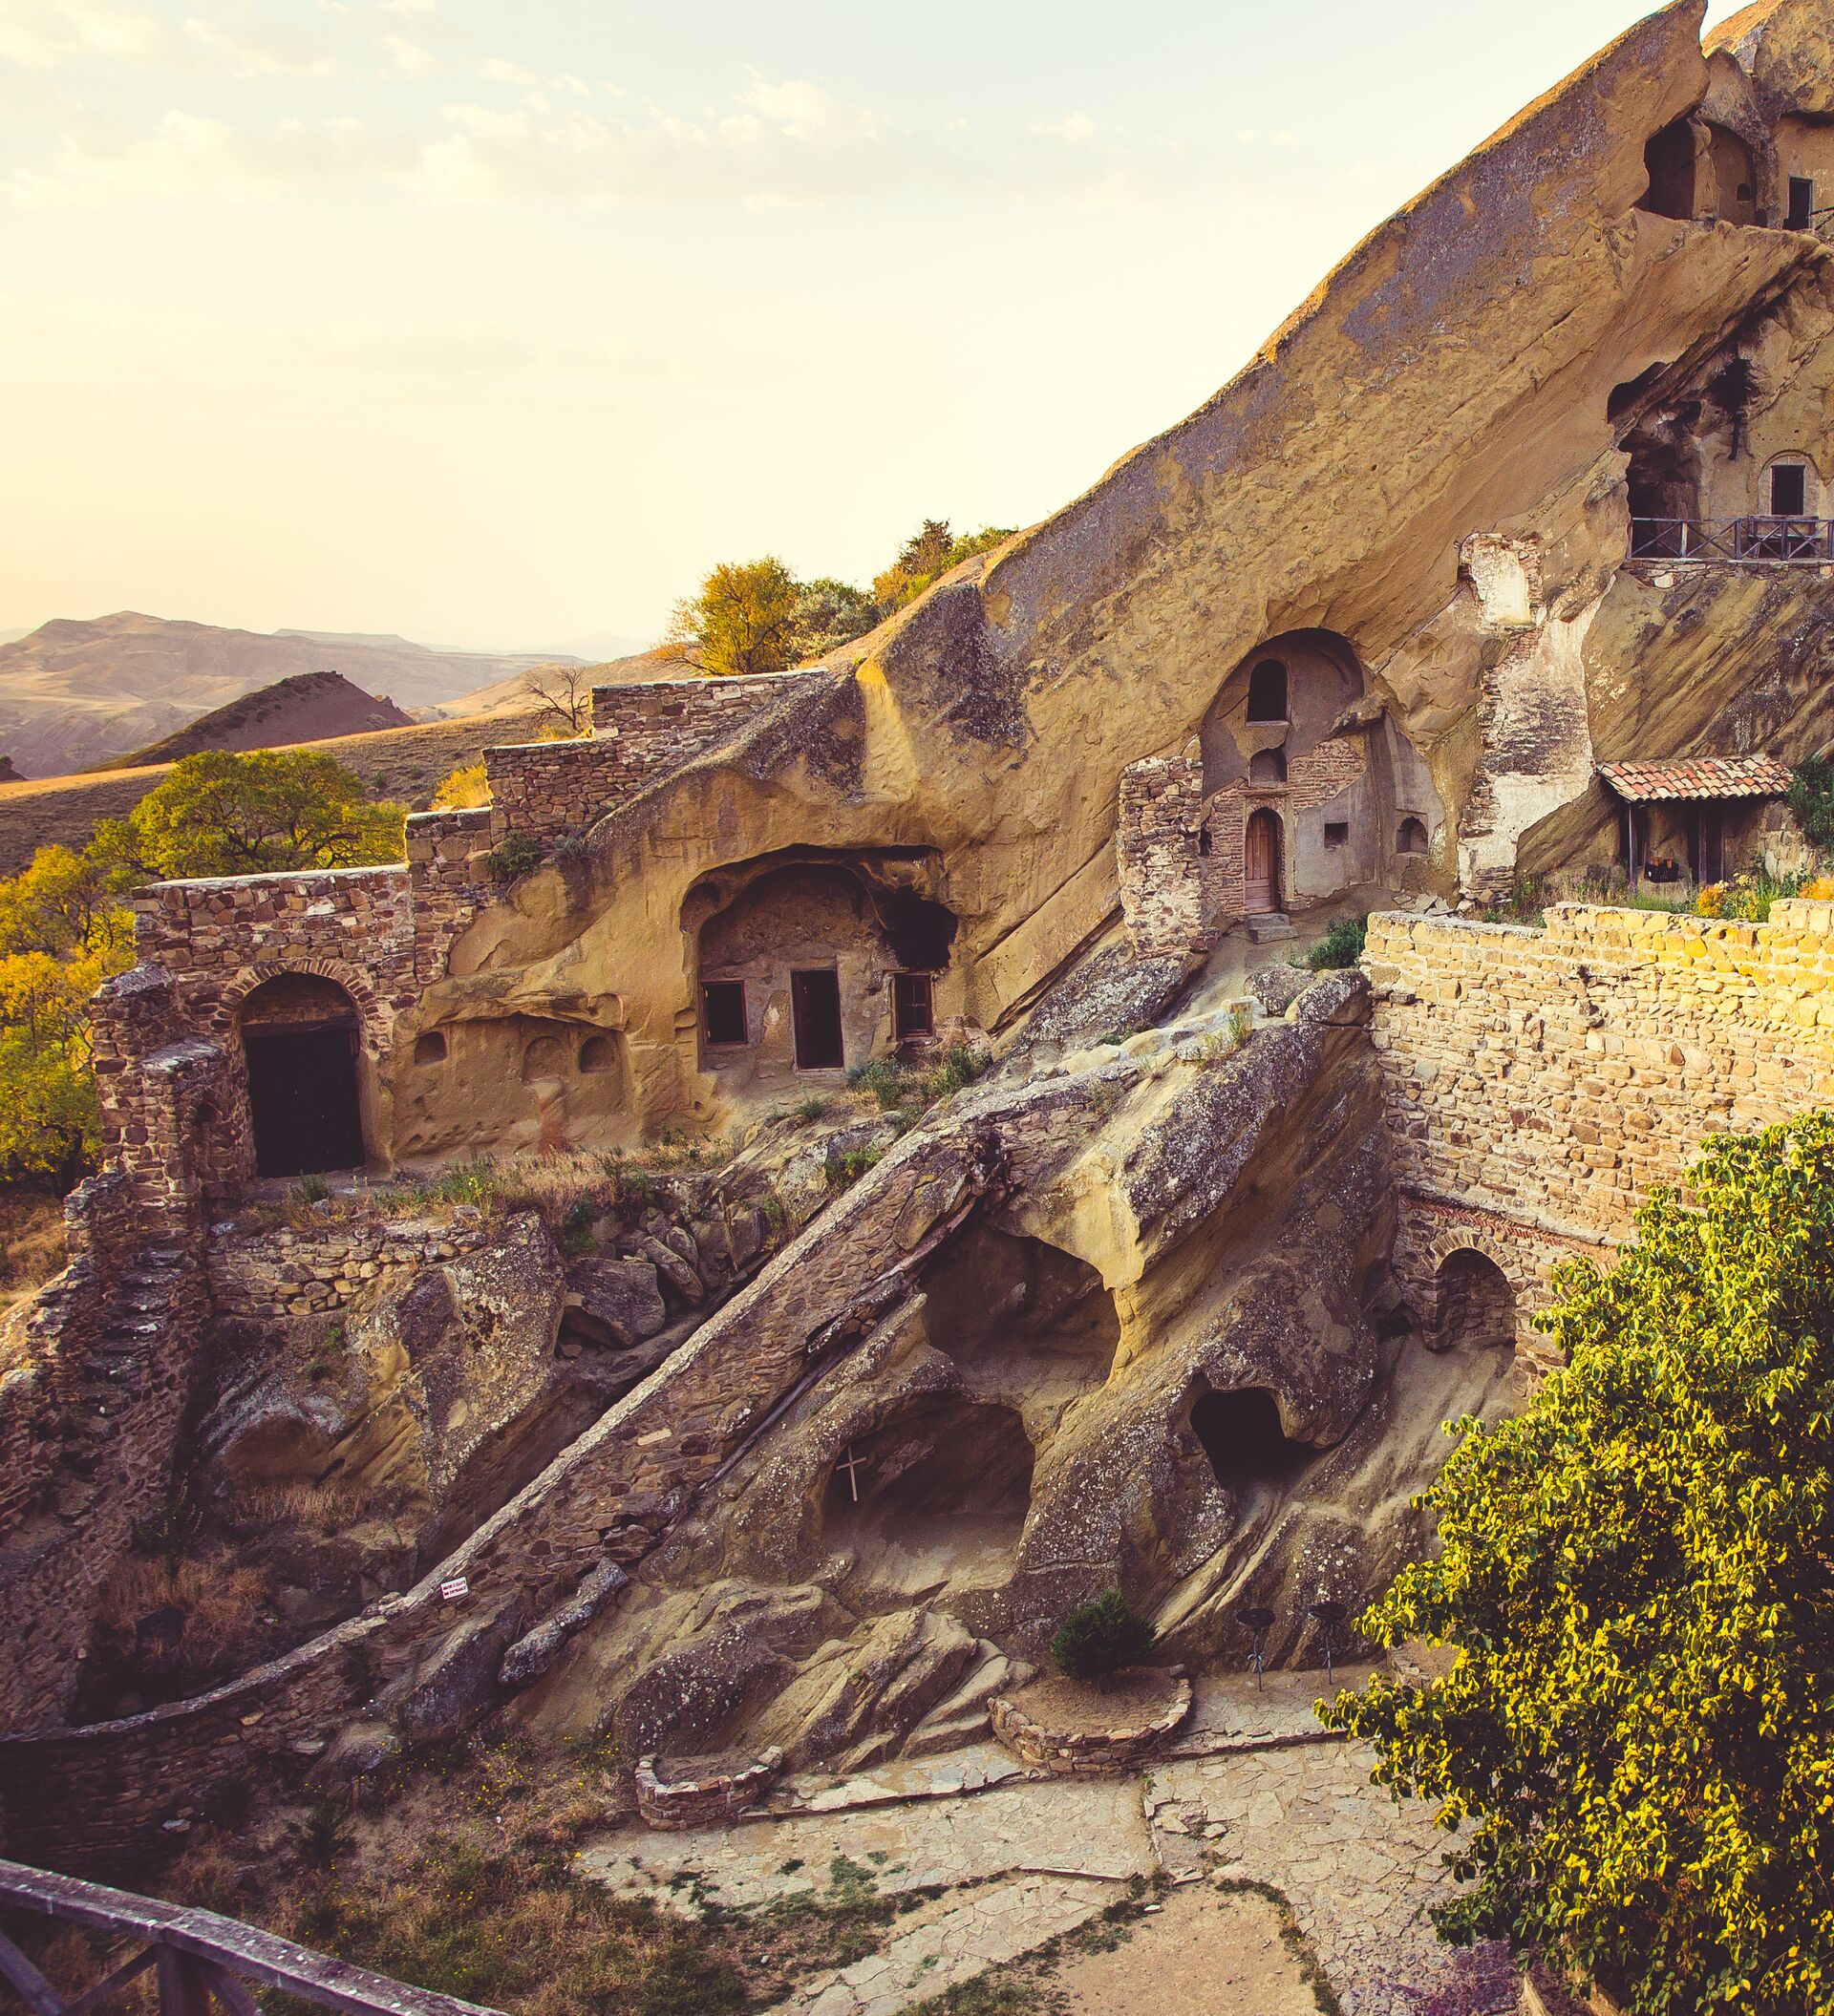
x=78, y=694
x=310, y=707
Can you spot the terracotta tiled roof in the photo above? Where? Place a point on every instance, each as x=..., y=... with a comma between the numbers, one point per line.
x=1698, y=778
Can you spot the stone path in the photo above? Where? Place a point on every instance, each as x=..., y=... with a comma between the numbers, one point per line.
x=1249, y=1796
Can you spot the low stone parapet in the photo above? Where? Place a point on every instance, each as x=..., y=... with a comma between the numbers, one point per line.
x=1074, y=1752
x=708, y=1799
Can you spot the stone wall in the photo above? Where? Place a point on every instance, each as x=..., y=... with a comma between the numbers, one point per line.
x=1556, y=1076
x=1162, y=871
x=548, y=788
x=449, y=881
x=263, y=1276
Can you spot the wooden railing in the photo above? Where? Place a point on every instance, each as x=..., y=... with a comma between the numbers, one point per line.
x=1744, y=540
x=200, y=1958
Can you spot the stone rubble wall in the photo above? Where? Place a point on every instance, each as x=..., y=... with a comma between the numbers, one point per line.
x=261, y=1276
x=1162, y=871
x=548, y=789
x=1557, y=1077
x=1313, y=781
x=449, y=881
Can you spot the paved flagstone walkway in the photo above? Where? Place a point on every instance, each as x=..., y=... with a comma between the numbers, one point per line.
x=1249, y=1793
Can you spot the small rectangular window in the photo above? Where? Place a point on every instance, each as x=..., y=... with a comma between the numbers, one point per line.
x=913, y=1006
x=1802, y=204
x=723, y=1008
x=1336, y=833
x=1788, y=490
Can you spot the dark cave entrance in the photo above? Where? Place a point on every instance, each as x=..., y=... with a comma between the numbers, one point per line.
x=937, y=1493
x=1245, y=1439
x=1476, y=1306
x=299, y=1038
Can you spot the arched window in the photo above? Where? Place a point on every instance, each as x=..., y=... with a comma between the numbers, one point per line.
x=430, y=1048
x=1268, y=766
x=1412, y=837
x=598, y=1054
x=1268, y=691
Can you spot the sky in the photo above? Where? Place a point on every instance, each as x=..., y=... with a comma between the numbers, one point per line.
x=497, y=323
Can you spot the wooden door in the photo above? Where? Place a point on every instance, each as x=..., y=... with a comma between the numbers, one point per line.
x=1261, y=864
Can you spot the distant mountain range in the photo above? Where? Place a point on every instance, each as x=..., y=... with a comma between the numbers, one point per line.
x=78, y=694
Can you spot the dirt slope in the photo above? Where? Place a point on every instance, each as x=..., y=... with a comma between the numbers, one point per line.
x=310, y=707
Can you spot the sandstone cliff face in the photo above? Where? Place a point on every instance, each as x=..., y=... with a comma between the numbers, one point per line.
x=1451, y=383
x=1162, y=1362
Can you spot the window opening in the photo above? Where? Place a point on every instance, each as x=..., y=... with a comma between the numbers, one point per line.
x=1268, y=691
x=815, y=1004
x=1412, y=837
x=723, y=1010
x=1336, y=833
x=913, y=1006
x=596, y=1054
x=430, y=1048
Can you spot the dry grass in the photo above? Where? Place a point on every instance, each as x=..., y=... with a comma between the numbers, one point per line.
x=33, y=1247
x=178, y=1622
x=328, y=1507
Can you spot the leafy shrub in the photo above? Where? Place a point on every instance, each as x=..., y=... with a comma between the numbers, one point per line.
x=513, y=857
x=1633, y=1575
x=1102, y=1638
x=1342, y=945
x=464, y=789
x=1811, y=801
x=845, y=1166
x=321, y=1837
x=312, y=1189
x=809, y=1110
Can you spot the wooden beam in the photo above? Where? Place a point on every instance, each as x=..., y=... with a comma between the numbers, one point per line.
x=40, y=1997
x=112, y=1985
x=230, y=1991
x=181, y=1992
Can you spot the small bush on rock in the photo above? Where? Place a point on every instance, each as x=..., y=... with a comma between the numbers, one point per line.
x=1342, y=945
x=513, y=857
x=1102, y=1638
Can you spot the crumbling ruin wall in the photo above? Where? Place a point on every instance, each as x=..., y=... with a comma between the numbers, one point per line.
x=544, y=789
x=449, y=879
x=1556, y=1076
x=1161, y=867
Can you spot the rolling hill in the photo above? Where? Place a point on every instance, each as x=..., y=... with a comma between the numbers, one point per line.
x=310, y=707
x=78, y=694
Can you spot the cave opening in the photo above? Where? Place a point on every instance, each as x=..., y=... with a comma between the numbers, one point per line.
x=938, y=1493
x=1245, y=1439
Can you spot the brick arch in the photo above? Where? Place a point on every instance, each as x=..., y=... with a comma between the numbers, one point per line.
x=352, y=979
x=1520, y=1278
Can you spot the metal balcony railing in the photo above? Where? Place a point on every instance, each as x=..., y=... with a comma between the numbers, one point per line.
x=1746, y=542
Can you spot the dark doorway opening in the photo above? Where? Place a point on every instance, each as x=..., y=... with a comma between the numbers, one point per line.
x=1708, y=848
x=1802, y=204
x=299, y=1039
x=1261, y=865
x=1242, y=1437
x=1788, y=490
x=815, y=1002
x=1476, y=1304
x=913, y=1006
x=1669, y=159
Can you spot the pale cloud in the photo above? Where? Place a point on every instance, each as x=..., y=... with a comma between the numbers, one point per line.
x=261, y=51
x=777, y=142
x=407, y=58
x=44, y=33
x=406, y=7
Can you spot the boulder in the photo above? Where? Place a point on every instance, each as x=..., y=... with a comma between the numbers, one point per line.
x=619, y=1297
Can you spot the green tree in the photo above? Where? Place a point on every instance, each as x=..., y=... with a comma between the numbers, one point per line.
x=830, y=613
x=252, y=812
x=1636, y=1577
x=1811, y=801
x=930, y=553
x=743, y=621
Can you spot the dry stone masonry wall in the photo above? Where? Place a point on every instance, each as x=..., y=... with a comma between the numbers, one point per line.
x=1556, y=1076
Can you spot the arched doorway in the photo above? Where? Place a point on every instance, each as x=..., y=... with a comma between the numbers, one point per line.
x=1261, y=892
x=1245, y=1439
x=1476, y=1304
x=299, y=1038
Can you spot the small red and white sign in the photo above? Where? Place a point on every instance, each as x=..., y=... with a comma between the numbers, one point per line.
x=450, y=1592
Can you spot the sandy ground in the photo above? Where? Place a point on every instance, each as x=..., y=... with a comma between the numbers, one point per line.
x=1207, y=1953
